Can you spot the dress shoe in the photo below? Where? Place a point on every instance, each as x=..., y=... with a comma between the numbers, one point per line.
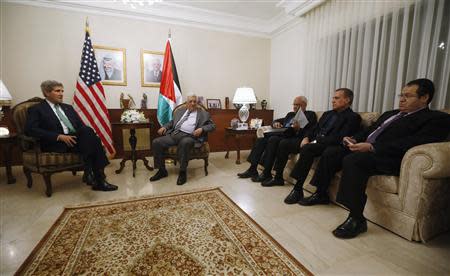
x=314, y=199
x=103, y=185
x=261, y=177
x=351, y=228
x=158, y=175
x=248, y=173
x=276, y=181
x=181, y=178
x=294, y=197
x=88, y=177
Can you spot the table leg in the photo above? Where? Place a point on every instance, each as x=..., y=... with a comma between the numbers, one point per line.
x=238, y=145
x=227, y=145
x=150, y=168
x=7, y=155
x=122, y=165
x=133, y=141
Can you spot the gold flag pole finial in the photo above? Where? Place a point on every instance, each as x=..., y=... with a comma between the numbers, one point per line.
x=87, y=24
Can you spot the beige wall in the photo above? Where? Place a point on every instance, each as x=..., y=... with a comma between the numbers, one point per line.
x=42, y=43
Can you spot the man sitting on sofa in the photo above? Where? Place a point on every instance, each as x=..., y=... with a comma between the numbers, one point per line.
x=268, y=145
x=332, y=127
x=378, y=150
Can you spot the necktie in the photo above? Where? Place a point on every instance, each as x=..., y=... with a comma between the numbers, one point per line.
x=180, y=122
x=64, y=119
x=373, y=136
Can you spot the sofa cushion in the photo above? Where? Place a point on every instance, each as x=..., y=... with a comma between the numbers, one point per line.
x=384, y=183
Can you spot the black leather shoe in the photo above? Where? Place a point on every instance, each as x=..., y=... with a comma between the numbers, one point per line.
x=248, y=173
x=294, y=197
x=88, y=177
x=181, y=178
x=261, y=177
x=314, y=199
x=276, y=181
x=158, y=175
x=103, y=185
x=350, y=228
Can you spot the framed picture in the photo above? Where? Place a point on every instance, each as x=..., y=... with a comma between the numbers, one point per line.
x=256, y=123
x=151, y=68
x=112, y=65
x=213, y=103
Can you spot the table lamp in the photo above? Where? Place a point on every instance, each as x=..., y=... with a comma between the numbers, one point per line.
x=5, y=100
x=244, y=96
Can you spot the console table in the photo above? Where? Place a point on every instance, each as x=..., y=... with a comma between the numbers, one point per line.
x=237, y=134
x=134, y=154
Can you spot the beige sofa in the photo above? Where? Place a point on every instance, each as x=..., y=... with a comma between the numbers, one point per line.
x=415, y=205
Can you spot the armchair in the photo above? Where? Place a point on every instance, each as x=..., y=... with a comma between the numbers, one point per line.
x=200, y=151
x=36, y=161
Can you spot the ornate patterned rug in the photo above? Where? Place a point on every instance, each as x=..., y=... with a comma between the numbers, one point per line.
x=194, y=233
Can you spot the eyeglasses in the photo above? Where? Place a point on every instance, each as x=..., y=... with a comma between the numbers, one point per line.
x=407, y=96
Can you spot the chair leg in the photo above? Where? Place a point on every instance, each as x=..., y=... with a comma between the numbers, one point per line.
x=27, y=173
x=74, y=172
x=206, y=166
x=48, y=184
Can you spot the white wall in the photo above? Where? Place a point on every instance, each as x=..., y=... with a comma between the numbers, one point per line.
x=286, y=77
x=43, y=43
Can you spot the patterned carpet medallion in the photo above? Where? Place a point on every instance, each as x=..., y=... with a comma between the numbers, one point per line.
x=196, y=233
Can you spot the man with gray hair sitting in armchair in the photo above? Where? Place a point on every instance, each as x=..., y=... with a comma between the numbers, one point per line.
x=189, y=125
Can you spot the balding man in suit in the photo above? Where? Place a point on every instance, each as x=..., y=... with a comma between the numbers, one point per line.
x=188, y=128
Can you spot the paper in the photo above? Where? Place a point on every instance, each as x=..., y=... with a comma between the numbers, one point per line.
x=300, y=118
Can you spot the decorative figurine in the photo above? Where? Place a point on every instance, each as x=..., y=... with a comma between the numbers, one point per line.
x=263, y=104
x=144, y=101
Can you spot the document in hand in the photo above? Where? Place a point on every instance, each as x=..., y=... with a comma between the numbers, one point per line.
x=300, y=118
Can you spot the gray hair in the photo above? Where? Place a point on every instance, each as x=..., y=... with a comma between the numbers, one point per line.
x=303, y=99
x=48, y=85
x=190, y=95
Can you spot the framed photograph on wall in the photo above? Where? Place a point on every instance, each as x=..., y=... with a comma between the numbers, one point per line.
x=112, y=65
x=213, y=103
x=151, y=68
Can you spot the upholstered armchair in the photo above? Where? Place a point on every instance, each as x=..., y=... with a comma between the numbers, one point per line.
x=200, y=151
x=36, y=161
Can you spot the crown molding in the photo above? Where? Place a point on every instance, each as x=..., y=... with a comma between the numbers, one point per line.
x=171, y=13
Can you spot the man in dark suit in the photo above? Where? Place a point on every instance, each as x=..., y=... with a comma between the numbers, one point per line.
x=188, y=128
x=155, y=74
x=267, y=146
x=332, y=127
x=378, y=150
x=59, y=129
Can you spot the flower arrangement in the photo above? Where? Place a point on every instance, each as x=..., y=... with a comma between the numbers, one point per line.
x=133, y=116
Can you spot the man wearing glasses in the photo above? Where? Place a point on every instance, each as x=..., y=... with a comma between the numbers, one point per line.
x=379, y=150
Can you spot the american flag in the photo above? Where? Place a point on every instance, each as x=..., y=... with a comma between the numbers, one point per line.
x=89, y=98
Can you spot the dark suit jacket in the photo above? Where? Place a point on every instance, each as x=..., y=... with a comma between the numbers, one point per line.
x=203, y=121
x=43, y=124
x=422, y=127
x=150, y=76
x=346, y=124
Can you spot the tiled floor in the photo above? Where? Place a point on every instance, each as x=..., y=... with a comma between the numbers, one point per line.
x=27, y=214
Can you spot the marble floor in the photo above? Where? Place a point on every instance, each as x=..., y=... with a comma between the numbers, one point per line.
x=27, y=214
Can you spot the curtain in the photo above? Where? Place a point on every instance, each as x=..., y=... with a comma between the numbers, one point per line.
x=375, y=48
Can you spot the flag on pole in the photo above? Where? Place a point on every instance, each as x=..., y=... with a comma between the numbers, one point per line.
x=170, y=89
x=89, y=97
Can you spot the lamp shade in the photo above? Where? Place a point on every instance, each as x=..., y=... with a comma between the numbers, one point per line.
x=5, y=96
x=244, y=95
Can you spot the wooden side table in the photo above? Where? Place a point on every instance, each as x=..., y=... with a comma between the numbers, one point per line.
x=134, y=154
x=237, y=134
x=7, y=143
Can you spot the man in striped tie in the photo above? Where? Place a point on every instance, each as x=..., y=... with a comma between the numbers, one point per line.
x=59, y=129
x=378, y=150
x=189, y=127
